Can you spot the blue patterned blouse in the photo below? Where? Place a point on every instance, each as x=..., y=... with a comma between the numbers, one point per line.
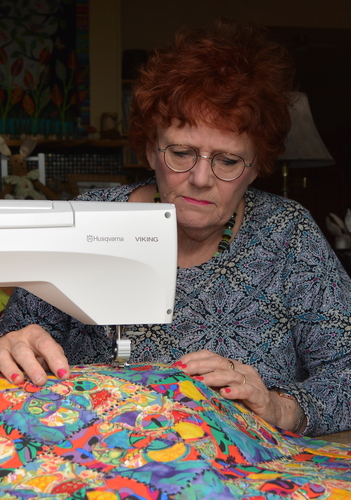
x=278, y=300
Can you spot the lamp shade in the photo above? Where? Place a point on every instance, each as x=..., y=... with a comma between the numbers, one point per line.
x=304, y=146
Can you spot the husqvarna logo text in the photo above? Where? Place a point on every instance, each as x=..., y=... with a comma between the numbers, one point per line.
x=91, y=238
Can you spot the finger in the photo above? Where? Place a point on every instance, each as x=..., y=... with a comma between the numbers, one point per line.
x=192, y=359
x=52, y=355
x=11, y=364
x=9, y=368
x=253, y=394
x=222, y=378
x=33, y=349
x=238, y=393
x=202, y=362
x=25, y=357
x=191, y=356
x=43, y=363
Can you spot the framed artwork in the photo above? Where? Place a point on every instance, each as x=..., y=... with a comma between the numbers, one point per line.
x=44, y=67
x=81, y=183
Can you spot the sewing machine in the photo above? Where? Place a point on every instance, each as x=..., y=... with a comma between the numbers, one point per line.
x=102, y=263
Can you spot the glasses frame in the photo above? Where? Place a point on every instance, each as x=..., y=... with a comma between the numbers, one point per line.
x=212, y=159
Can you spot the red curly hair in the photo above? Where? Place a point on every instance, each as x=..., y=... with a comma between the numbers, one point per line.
x=231, y=77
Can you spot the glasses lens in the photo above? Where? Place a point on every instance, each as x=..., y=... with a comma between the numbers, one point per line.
x=227, y=166
x=180, y=158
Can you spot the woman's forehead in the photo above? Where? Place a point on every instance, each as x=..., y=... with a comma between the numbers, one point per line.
x=204, y=136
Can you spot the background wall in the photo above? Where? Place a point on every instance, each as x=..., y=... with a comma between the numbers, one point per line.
x=318, y=33
x=105, y=58
x=145, y=22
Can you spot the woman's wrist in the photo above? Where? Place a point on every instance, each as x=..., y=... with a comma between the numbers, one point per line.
x=292, y=416
x=300, y=420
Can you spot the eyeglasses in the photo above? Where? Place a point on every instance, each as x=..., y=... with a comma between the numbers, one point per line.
x=225, y=166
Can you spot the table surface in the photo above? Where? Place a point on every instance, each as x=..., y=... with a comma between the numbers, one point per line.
x=340, y=437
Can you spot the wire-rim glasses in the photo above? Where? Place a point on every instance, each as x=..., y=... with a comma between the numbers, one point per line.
x=225, y=166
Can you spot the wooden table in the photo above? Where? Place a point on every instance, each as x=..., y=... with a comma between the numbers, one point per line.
x=339, y=437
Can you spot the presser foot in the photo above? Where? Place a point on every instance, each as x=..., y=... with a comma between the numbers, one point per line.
x=119, y=364
x=120, y=348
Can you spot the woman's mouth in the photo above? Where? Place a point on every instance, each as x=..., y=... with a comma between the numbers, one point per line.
x=197, y=202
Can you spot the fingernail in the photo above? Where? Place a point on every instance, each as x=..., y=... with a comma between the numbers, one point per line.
x=38, y=380
x=14, y=376
x=179, y=363
x=227, y=389
x=199, y=378
x=61, y=372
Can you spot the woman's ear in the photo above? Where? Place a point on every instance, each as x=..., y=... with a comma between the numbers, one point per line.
x=253, y=176
x=253, y=170
x=151, y=156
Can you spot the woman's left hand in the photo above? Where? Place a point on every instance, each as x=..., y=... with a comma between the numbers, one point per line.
x=238, y=381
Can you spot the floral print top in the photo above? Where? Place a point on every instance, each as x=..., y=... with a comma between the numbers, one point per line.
x=278, y=300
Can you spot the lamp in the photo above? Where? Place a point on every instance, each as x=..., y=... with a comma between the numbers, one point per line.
x=304, y=147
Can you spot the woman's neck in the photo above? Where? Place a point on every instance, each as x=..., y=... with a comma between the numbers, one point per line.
x=193, y=251
x=196, y=247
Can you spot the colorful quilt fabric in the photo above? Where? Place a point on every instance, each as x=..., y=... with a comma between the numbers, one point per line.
x=150, y=432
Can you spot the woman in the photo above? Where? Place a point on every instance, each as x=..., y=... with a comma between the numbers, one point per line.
x=262, y=304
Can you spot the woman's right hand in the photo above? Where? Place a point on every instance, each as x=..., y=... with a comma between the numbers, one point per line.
x=34, y=351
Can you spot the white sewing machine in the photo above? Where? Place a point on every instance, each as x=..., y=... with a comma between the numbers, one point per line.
x=102, y=263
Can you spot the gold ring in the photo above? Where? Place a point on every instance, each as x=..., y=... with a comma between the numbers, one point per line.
x=244, y=378
x=231, y=365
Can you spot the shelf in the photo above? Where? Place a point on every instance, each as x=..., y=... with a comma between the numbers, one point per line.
x=74, y=143
x=136, y=165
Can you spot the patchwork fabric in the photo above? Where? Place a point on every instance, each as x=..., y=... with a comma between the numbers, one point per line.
x=149, y=432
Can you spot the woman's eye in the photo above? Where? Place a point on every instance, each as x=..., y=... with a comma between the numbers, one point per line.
x=226, y=162
x=182, y=154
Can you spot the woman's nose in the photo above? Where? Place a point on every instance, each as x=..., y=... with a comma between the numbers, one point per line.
x=201, y=174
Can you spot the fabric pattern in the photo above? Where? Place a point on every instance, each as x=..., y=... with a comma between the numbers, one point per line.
x=278, y=300
x=149, y=432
